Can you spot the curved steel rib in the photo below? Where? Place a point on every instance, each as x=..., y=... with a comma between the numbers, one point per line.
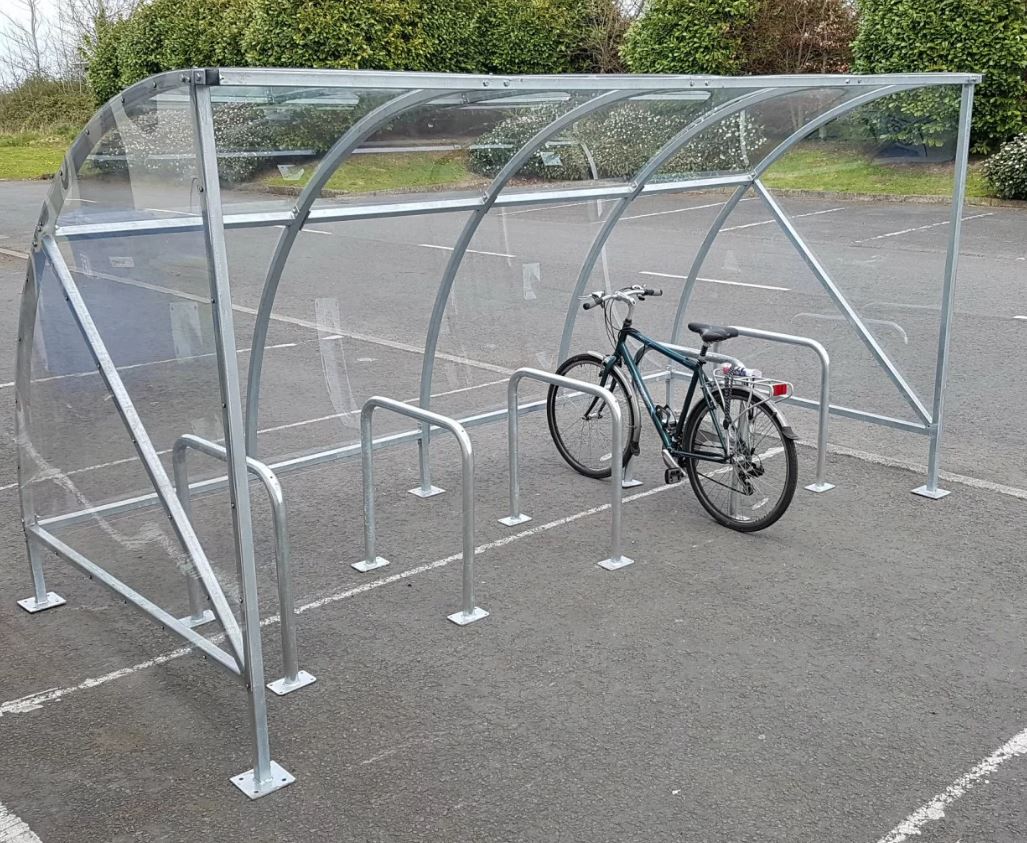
x=664, y=154
x=509, y=170
x=340, y=150
x=773, y=156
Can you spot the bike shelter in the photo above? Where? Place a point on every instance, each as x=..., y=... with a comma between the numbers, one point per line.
x=178, y=256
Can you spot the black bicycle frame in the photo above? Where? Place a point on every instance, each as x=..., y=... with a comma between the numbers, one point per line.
x=622, y=354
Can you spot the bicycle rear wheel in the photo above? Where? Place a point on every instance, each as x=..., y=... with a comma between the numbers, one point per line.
x=754, y=489
x=580, y=424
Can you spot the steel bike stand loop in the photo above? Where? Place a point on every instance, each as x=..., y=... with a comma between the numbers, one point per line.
x=617, y=559
x=294, y=678
x=821, y=484
x=469, y=613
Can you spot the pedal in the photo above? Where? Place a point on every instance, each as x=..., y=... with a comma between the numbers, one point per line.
x=673, y=475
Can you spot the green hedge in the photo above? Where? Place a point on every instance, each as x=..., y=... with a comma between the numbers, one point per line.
x=688, y=36
x=620, y=141
x=986, y=36
x=482, y=36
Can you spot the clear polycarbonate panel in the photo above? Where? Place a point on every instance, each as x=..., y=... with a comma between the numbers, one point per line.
x=350, y=321
x=149, y=298
x=751, y=124
x=886, y=258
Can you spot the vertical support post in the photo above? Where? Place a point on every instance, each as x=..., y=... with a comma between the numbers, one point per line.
x=516, y=516
x=198, y=614
x=930, y=488
x=371, y=558
x=41, y=599
x=265, y=776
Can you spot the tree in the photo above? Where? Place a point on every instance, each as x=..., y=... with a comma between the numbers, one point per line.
x=26, y=39
x=688, y=36
x=800, y=36
x=978, y=36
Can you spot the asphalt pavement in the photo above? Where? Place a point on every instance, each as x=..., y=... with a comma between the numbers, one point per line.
x=824, y=680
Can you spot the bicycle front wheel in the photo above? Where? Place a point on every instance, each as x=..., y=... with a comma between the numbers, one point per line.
x=580, y=424
x=756, y=485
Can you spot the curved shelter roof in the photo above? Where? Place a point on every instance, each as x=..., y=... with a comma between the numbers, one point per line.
x=172, y=257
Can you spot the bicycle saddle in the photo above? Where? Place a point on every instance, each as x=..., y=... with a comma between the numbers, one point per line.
x=712, y=333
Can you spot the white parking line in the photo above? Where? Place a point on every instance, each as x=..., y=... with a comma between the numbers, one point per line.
x=541, y=208
x=168, y=211
x=273, y=429
x=935, y=809
x=682, y=210
x=719, y=281
x=94, y=372
x=318, y=419
x=472, y=251
x=13, y=828
x=316, y=231
x=921, y=228
x=768, y=222
x=34, y=702
x=1020, y=317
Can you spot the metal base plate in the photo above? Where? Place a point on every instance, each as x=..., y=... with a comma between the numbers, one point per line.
x=431, y=493
x=192, y=622
x=365, y=565
x=924, y=492
x=614, y=564
x=247, y=783
x=30, y=605
x=630, y=483
x=514, y=520
x=819, y=487
x=283, y=686
x=462, y=619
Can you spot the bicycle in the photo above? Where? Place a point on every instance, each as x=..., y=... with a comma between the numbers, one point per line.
x=735, y=424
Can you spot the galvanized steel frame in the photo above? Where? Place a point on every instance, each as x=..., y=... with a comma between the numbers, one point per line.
x=244, y=657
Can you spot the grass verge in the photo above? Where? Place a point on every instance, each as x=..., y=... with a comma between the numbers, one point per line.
x=383, y=172
x=833, y=168
x=28, y=156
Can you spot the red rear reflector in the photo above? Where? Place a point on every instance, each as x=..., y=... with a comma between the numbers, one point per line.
x=779, y=389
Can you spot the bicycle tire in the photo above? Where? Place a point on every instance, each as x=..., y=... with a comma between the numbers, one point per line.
x=579, y=367
x=742, y=477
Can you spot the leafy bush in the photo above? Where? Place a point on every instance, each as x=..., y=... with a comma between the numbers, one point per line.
x=45, y=105
x=100, y=51
x=979, y=36
x=621, y=141
x=164, y=35
x=688, y=36
x=1006, y=170
x=137, y=143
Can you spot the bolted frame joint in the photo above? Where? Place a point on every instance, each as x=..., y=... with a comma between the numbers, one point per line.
x=205, y=76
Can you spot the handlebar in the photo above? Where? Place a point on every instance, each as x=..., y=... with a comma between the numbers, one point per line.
x=632, y=294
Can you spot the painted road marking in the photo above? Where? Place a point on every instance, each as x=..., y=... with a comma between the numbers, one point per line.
x=542, y=208
x=356, y=412
x=935, y=809
x=718, y=281
x=127, y=368
x=768, y=222
x=1020, y=317
x=921, y=228
x=13, y=828
x=273, y=429
x=472, y=251
x=34, y=702
x=682, y=210
x=316, y=231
